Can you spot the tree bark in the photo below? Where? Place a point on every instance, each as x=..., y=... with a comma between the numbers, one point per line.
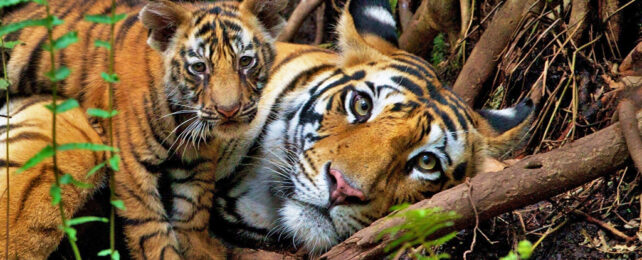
x=528, y=181
x=297, y=17
x=430, y=18
x=495, y=38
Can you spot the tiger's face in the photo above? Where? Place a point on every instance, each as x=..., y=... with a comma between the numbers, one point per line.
x=368, y=138
x=378, y=131
x=217, y=57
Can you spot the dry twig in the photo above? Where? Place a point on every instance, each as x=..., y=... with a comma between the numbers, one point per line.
x=297, y=17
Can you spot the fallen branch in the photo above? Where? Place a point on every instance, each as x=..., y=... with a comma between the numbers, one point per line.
x=495, y=38
x=528, y=181
x=297, y=17
x=604, y=225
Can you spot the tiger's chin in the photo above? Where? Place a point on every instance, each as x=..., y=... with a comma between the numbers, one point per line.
x=308, y=226
x=230, y=129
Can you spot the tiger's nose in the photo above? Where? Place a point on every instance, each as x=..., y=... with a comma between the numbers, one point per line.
x=341, y=192
x=228, y=111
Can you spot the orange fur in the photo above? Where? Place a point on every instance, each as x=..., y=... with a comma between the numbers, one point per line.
x=157, y=85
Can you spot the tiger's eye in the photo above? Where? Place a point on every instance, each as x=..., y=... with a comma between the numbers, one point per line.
x=245, y=61
x=361, y=106
x=198, y=67
x=427, y=162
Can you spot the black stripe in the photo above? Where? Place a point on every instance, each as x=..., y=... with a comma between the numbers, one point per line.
x=295, y=55
x=124, y=29
x=28, y=136
x=408, y=84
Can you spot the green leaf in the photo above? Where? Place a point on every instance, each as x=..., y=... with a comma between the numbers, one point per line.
x=83, y=220
x=114, y=163
x=105, y=19
x=10, y=44
x=113, y=78
x=55, y=193
x=119, y=204
x=40, y=2
x=97, y=112
x=5, y=3
x=62, y=42
x=60, y=74
x=12, y=27
x=115, y=255
x=525, y=249
x=86, y=146
x=52, y=21
x=103, y=44
x=64, y=106
x=4, y=84
x=104, y=252
x=393, y=6
x=95, y=169
x=39, y=157
x=511, y=256
x=71, y=233
x=66, y=179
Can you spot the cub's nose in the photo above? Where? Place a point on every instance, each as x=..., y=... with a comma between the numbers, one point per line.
x=341, y=192
x=228, y=111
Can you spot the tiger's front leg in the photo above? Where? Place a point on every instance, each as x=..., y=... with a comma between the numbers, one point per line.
x=192, y=199
x=34, y=222
x=147, y=226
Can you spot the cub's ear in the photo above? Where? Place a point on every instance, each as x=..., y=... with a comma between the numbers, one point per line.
x=162, y=18
x=505, y=129
x=267, y=14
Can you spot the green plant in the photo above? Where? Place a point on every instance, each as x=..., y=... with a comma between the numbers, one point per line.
x=4, y=85
x=524, y=251
x=439, y=50
x=56, y=75
x=114, y=160
x=418, y=226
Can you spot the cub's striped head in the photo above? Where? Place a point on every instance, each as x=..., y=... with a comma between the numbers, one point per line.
x=216, y=56
x=377, y=131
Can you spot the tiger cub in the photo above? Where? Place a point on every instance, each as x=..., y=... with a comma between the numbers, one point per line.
x=192, y=84
x=355, y=133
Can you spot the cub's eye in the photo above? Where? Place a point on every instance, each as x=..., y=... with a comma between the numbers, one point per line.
x=198, y=67
x=427, y=162
x=361, y=107
x=246, y=61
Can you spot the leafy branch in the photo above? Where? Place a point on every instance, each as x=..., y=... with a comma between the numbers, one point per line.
x=418, y=226
x=114, y=160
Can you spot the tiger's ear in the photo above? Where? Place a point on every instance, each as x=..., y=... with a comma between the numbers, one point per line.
x=162, y=18
x=504, y=129
x=267, y=13
x=367, y=31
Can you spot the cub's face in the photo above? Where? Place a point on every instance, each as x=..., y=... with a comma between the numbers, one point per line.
x=367, y=138
x=217, y=57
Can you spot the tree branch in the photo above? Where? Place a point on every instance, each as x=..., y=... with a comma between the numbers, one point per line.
x=297, y=17
x=495, y=38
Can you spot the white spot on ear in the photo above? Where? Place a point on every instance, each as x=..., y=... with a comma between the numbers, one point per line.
x=380, y=14
x=506, y=112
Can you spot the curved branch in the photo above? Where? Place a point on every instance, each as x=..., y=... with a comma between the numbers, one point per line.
x=495, y=38
x=297, y=17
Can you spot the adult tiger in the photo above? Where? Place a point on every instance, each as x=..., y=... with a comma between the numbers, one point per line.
x=358, y=132
x=200, y=77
